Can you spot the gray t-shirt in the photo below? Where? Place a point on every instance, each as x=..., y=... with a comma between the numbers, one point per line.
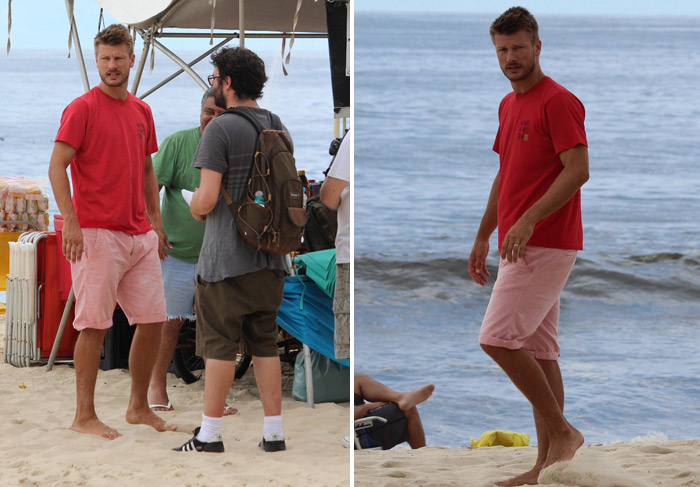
x=227, y=147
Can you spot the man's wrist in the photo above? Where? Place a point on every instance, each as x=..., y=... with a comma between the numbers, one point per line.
x=528, y=218
x=70, y=218
x=482, y=237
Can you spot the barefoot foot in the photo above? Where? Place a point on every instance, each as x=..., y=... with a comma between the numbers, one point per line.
x=563, y=448
x=94, y=426
x=527, y=478
x=414, y=397
x=148, y=417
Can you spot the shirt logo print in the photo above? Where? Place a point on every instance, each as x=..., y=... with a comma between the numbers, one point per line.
x=524, y=129
x=141, y=130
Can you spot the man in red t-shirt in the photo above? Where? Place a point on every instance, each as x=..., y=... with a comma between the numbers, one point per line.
x=535, y=203
x=112, y=231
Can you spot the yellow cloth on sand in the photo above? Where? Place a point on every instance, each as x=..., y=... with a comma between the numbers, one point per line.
x=502, y=438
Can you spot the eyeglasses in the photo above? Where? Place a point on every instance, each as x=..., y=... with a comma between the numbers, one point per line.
x=211, y=79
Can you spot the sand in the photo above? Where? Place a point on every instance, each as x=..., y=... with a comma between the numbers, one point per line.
x=633, y=464
x=38, y=449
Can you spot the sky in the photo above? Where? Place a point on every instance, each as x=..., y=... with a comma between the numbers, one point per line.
x=49, y=29
x=42, y=24
x=538, y=7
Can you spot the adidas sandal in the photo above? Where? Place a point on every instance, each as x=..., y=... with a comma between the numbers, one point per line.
x=274, y=443
x=194, y=444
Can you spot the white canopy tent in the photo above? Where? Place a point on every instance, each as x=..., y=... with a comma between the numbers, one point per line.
x=156, y=20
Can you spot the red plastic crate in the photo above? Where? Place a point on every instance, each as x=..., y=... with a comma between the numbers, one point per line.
x=49, y=257
x=64, y=276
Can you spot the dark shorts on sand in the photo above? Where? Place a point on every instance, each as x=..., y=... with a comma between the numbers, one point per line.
x=239, y=309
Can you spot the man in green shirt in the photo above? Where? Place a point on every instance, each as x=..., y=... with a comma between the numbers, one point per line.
x=173, y=167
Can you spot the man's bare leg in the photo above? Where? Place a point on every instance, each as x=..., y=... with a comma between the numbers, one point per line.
x=527, y=375
x=158, y=391
x=373, y=391
x=141, y=361
x=268, y=377
x=553, y=375
x=414, y=428
x=87, y=360
x=218, y=379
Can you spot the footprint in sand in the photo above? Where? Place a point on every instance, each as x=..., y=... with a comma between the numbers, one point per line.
x=659, y=450
x=587, y=472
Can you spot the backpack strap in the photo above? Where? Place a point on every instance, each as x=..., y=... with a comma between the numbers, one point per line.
x=275, y=123
x=258, y=129
x=247, y=116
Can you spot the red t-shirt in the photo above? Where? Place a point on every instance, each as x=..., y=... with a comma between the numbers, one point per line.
x=112, y=139
x=534, y=127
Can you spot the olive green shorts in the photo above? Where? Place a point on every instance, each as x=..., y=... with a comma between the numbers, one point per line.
x=239, y=310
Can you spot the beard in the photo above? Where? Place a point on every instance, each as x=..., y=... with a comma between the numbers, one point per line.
x=219, y=98
x=120, y=81
x=524, y=74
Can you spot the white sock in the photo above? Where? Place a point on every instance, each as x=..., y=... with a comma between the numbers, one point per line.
x=211, y=427
x=272, y=425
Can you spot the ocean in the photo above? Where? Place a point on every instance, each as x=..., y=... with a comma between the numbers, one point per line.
x=427, y=89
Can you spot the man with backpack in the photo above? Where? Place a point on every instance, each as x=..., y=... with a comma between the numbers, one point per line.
x=173, y=167
x=239, y=288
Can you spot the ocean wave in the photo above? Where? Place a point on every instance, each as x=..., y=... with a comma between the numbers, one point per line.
x=667, y=274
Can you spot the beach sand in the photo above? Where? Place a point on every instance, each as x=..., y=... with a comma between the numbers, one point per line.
x=38, y=449
x=633, y=464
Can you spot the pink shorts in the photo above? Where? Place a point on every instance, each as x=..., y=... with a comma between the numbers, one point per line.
x=117, y=267
x=524, y=308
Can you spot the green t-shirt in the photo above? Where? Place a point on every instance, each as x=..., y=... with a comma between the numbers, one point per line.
x=173, y=166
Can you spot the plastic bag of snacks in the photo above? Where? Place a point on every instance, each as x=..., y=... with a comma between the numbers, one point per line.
x=23, y=200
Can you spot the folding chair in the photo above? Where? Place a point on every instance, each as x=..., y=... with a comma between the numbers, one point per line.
x=384, y=429
x=363, y=427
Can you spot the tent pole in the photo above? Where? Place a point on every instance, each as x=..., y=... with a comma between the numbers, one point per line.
x=309, y=376
x=191, y=63
x=241, y=22
x=182, y=64
x=78, y=50
x=146, y=36
x=61, y=328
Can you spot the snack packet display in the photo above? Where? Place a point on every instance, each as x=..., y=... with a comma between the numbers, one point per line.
x=24, y=204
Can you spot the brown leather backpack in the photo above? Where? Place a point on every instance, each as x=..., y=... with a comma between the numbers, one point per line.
x=274, y=221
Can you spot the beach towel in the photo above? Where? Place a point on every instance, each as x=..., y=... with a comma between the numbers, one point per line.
x=320, y=267
x=502, y=438
x=306, y=313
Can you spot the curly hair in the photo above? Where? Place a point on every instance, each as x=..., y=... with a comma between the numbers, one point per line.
x=115, y=35
x=513, y=20
x=244, y=67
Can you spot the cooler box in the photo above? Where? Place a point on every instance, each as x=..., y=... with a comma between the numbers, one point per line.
x=64, y=276
x=51, y=298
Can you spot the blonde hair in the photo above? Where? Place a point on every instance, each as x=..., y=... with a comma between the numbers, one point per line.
x=513, y=20
x=115, y=35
